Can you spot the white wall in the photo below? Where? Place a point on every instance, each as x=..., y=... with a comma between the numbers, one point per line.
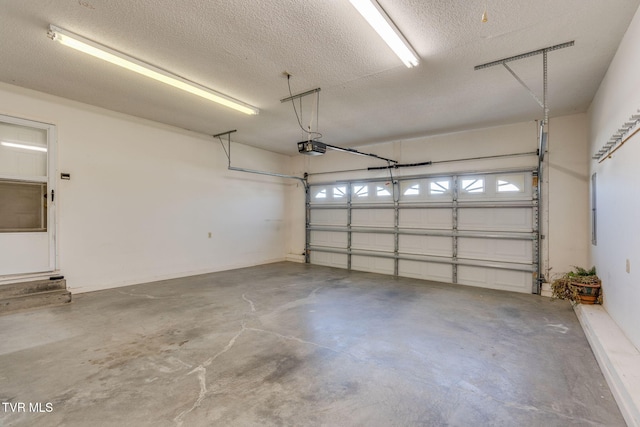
x=143, y=197
x=618, y=186
x=567, y=172
x=564, y=210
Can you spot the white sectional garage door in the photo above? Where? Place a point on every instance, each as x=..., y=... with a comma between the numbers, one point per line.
x=476, y=229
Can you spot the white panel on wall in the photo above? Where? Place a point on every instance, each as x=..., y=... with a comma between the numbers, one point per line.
x=333, y=239
x=373, y=242
x=438, y=219
x=493, y=278
x=504, y=219
x=425, y=270
x=372, y=217
x=426, y=245
x=329, y=259
x=372, y=264
x=329, y=217
x=520, y=251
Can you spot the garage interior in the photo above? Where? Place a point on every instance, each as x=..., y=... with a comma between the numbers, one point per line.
x=317, y=230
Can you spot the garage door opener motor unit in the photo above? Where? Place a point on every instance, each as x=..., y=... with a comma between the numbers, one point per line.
x=312, y=148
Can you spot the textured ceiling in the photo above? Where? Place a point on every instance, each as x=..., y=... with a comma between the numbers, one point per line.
x=242, y=48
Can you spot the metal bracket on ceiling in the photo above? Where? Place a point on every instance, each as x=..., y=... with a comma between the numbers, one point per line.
x=228, y=134
x=300, y=95
x=524, y=85
x=543, y=52
x=227, y=151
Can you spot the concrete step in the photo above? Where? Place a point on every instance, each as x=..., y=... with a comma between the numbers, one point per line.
x=34, y=286
x=32, y=300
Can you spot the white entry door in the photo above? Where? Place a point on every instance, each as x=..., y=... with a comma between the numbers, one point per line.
x=27, y=197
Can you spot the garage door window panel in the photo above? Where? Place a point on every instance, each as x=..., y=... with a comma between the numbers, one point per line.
x=372, y=192
x=426, y=190
x=472, y=185
x=510, y=183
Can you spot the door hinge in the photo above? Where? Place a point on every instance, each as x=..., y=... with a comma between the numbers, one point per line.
x=53, y=195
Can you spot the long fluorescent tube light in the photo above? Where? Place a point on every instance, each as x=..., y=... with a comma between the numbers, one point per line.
x=24, y=146
x=97, y=50
x=380, y=21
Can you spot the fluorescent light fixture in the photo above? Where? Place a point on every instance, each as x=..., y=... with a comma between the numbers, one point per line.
x=380, y=21
x=24, y=146
x=97, y=50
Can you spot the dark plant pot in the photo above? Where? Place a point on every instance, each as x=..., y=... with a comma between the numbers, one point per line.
x=586, y=293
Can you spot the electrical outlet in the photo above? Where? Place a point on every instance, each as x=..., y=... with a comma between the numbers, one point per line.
x=628, y=266
x=209, y=234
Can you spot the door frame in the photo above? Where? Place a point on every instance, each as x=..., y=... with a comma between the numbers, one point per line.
x=51, y=180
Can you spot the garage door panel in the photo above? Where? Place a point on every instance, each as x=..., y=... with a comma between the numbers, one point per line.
x=425, y=270
x=372, y=241
x=484, y=218
x=426, y=245
x=372, y=264
x=520, y=251
x=496, y=219
x=437, y=219
x=329, y=216
x=329, y=259
x=372, y=217
x=493, y=278
x=332, y=239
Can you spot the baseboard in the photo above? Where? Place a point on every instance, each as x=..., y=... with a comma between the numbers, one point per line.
x=295, y=258
x=157, y=278
x=618, y=358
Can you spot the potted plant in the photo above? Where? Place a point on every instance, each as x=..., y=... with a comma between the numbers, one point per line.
x=580, y=286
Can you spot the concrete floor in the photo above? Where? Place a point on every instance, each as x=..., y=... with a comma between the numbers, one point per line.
x=295, y=345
